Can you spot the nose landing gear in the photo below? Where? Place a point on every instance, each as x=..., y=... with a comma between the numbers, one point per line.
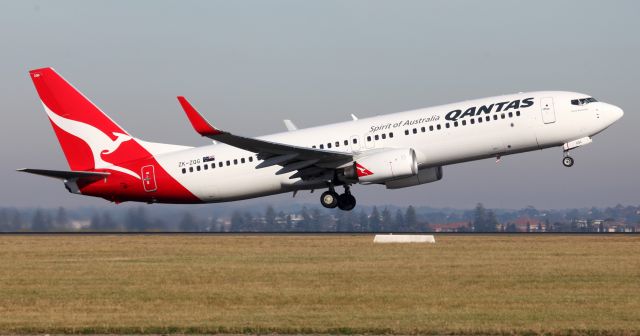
x=567, y=161
x=330, y=199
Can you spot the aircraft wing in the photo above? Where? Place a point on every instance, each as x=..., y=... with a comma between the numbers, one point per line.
x=308, y=162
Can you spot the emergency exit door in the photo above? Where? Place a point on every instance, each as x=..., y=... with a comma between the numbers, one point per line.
x=149, y=178
x=548, y=111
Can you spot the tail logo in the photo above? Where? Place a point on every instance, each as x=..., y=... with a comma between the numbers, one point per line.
x=98, y=141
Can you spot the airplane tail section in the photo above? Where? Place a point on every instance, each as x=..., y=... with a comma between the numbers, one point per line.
x=88, y=137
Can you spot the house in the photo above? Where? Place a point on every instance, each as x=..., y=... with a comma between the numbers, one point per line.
x=451, y=227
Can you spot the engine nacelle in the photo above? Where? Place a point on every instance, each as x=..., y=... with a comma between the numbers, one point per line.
x=383, y=166
x=426, y=175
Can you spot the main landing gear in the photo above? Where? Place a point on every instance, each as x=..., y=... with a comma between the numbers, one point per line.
x=330, y=199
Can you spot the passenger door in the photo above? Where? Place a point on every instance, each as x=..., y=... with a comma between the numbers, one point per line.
x=548, y=111
x=149, y=179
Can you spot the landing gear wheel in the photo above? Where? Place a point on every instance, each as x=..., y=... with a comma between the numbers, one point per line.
x=346, y=202
x=567, y=161
x=329, y=199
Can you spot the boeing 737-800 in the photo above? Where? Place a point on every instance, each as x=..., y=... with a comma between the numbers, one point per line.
x=397, y=150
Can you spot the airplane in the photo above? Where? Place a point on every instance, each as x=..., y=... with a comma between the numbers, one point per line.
x=396, y=150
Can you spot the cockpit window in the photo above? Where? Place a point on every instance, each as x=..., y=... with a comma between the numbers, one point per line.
x=583, y=101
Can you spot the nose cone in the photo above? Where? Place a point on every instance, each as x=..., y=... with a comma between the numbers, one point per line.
x=616, y=112
x=611, y=113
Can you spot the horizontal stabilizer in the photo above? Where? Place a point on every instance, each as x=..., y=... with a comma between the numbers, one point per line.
x=65, y=174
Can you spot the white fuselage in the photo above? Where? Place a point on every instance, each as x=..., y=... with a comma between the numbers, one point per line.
x=551, y=120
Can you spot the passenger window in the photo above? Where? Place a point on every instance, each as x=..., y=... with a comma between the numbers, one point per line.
x=480, y=119
x=368, y=138
x=376, y=137
x=191, y=169
x=510, y=114
x=464, y=123
x=455, y=124
x=447, y=125
x=346, y=142
x=406, y=132
x=329, y=145
x=473, y=121
x=337, y=143
x=198, y=168
x=321, y=146
x=391, y=135
x=228, y=163
x=251, y=159
x=355, y=141
x=213, y=166
x=517, y=113
x=242, y=160
x=430, y=127
x=220, y=164
x=206, y=166
x=502, y=116
x=415, y=131
x=439, y=127
x=384, y=135
x=314, y=146
x=184, y=170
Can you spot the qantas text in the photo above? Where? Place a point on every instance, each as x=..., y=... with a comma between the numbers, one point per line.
x=486, y=109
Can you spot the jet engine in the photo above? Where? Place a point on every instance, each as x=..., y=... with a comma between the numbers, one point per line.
x=426, y=175
x=383, y=166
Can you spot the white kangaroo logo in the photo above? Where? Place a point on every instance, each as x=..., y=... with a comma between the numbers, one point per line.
x=98, y=142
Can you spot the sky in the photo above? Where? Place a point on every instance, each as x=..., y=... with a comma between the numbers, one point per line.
x=250, y=64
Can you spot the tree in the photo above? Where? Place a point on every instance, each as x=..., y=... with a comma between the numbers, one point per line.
x=62, y=219
x=491, y=222
x=40, y=222
x=363, y=221
x=399, y=222
x=304, y=224
x=374, y=220
x=249, y=222
x=483, y=220
x=387, y=222
x=16, y=221
x=270, y=219
x=95, y=223
x=188, y=223
x=341, y=222
x=283, y=224
x=411, y=220
x=137, y=220
x=237, y=222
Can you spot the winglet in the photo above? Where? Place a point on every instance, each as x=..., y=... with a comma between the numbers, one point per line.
x=199, y=123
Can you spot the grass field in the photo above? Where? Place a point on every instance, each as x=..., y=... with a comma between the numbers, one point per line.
x=557, y=285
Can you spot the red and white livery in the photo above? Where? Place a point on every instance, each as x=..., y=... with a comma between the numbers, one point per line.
x=397, y=150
